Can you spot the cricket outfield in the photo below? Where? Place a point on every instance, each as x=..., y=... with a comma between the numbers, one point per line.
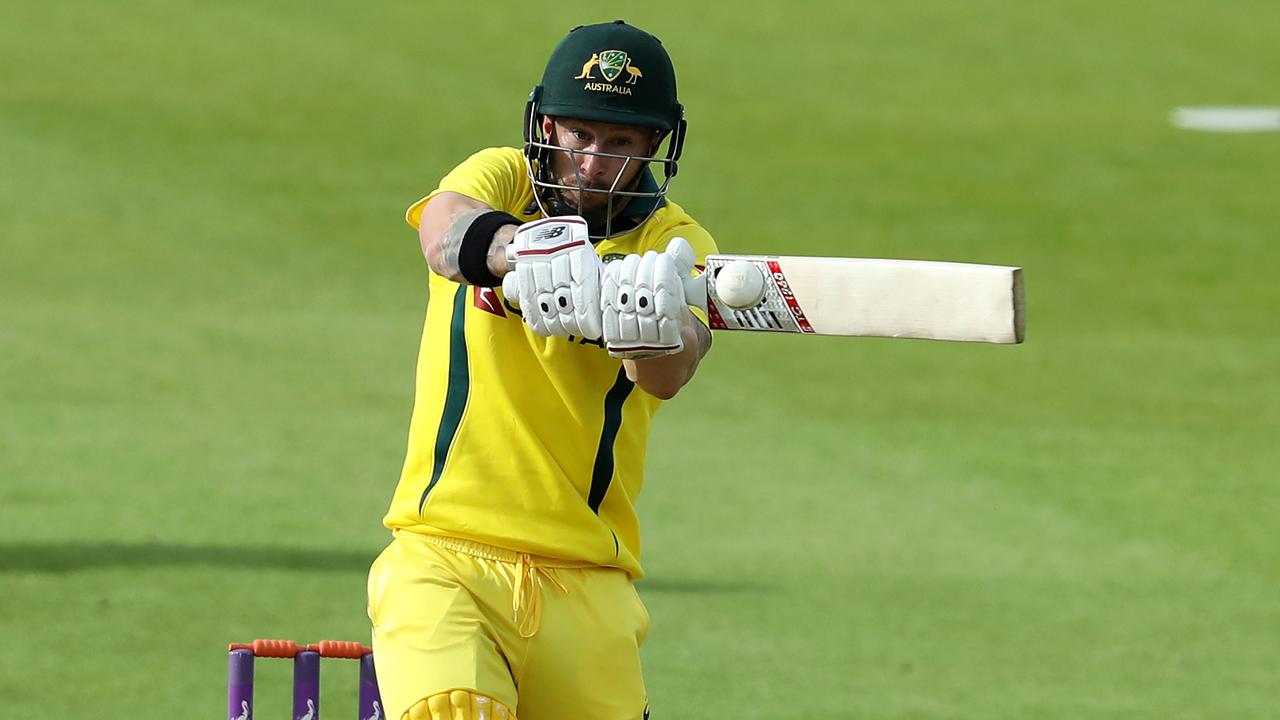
x=210, y=308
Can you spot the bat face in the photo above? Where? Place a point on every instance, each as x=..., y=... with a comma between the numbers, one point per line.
x=871, y=298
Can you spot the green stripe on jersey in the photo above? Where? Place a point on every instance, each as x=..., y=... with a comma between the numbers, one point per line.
x=602, y=473
x=455, y=396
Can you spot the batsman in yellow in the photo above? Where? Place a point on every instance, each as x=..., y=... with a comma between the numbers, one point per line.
x=556, y=327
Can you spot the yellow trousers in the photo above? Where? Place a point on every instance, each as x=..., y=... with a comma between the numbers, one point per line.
x=551, y=639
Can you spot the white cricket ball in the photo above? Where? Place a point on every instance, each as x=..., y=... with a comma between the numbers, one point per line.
x=740, y=284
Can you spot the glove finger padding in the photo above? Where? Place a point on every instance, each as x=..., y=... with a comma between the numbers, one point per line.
x=529, y=300
x=563, y=294
x=608, y=299
x=646, y=320
x=557, y=277
x=586, y=271
x=628, y=328
x=668, y=300
x=542, y=289
x=643, y=302
x=511, y=287
x=682, y=255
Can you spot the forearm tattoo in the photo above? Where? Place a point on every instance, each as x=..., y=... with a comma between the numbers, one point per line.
x=449, y=245
x=497, y=257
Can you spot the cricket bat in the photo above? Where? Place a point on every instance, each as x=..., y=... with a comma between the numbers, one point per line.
x=861, y=297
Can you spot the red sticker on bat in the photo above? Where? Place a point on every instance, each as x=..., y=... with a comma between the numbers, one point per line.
x=784, y=289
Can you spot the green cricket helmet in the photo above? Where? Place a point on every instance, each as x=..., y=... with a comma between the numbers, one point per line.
x=614, y=73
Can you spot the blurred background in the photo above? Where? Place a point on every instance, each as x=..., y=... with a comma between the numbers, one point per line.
x=210, y=309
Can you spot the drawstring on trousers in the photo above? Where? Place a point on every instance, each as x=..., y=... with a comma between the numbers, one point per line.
x=531, y=570
x=526, y=602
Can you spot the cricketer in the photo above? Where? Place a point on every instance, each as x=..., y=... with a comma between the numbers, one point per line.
x=556, y=327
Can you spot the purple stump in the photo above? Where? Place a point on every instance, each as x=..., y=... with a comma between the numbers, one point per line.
x=240, y=685
x=306, y=686
x=370, y=699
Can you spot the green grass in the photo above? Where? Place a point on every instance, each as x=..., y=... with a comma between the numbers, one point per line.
x=210, y=310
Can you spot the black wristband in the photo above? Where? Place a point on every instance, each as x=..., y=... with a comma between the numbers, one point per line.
x=473, y=254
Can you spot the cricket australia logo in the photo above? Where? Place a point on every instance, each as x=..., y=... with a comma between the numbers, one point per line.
x=611, y=64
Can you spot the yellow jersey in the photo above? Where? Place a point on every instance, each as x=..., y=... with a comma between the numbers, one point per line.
x=524, y=442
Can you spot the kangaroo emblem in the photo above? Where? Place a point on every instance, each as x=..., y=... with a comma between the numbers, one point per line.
x=244, y=711
x=311, y=711
x=586, y=68
x=377, y=712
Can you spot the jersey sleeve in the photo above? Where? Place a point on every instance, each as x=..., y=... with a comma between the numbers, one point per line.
x=701, y=241
x=492, y=176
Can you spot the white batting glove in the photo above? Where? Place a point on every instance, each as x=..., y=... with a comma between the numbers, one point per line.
x=556, y=277
x=644, y=303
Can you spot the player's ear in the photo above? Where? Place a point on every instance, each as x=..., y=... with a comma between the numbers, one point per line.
x=658, y=136
x=548, y=123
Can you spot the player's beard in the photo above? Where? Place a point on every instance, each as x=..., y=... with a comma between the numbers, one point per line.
x=595, y=206
x=594, y=211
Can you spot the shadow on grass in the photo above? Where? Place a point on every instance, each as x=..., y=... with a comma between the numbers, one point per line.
x=65, y=557
x=61, y=557
x=699, y=586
